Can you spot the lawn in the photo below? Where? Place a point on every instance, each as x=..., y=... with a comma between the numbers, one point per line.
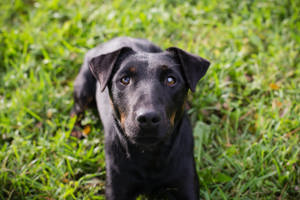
x=245, y=112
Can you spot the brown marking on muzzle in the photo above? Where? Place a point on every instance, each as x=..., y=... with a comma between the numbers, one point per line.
x=122, y=119
x=111, y=103
x=178, y=112
x=122, y=115
x=172, y=118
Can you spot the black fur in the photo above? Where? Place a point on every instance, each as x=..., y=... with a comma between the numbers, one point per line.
x=140, y=91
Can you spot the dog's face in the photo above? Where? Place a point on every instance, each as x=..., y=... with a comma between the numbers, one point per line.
x=148, y=90
x=148, y=93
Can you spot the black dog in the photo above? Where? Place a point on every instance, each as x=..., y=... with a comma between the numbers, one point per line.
x=140, y=91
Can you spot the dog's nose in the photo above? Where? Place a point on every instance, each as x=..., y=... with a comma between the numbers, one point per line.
x=148, y=119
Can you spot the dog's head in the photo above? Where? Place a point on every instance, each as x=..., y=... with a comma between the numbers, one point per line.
x=148, y=90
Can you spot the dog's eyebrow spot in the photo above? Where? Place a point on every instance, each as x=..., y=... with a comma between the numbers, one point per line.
x=132, y=69
x=164, y=67
x=168, y=67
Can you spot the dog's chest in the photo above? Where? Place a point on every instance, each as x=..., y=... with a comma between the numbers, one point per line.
x=151, y=165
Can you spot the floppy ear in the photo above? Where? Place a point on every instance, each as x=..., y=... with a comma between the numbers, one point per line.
x=102, y=65
x=194, y=67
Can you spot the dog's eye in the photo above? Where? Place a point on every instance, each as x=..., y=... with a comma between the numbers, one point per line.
x=171, y=81
x=125, y=80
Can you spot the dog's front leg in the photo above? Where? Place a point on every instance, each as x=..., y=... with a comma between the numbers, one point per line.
x=119, y=187
x=187, y=184
x=188, y=192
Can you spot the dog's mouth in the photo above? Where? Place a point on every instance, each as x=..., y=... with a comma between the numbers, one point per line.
x=147, y=140
x=144, y=139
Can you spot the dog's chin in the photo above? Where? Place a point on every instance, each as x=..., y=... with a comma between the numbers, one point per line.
x=142, y=139
x=146, y=141
x=147, y=137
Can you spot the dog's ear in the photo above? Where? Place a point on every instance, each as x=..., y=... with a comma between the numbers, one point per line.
x=193, y=66
x=102, y=65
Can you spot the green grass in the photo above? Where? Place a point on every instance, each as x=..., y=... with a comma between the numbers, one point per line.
x=245, y=112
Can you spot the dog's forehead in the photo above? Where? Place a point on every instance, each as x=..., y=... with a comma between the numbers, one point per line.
x=150, y=60
x=161, y=59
